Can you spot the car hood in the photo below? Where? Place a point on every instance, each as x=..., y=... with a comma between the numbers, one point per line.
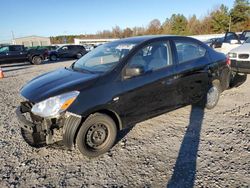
x=55, y=83
x=244, y=48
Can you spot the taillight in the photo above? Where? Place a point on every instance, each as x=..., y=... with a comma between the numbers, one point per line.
x=228, y=61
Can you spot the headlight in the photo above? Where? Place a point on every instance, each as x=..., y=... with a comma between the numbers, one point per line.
x=53, y=106
x=232, y=55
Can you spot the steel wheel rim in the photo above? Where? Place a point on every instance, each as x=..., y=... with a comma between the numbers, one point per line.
x=212, y=96
x=38, y=60
x=97, y=136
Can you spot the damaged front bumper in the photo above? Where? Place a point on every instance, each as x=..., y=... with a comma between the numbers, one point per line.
x=41, y=130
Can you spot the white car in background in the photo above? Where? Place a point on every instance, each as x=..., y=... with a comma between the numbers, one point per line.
x=240, y=58
x=230, y=41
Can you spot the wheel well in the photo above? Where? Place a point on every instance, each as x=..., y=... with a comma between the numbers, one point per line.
x=110, y=113
x=37, y=56
x=114, y=116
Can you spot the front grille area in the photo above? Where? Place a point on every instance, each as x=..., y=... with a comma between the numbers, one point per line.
x=243, y=56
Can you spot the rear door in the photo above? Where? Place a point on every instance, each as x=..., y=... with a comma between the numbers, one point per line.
x=153, y=91
x=192, y=60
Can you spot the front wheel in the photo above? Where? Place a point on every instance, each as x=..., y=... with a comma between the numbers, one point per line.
x=96, y=135
x=53, y=57
x=78, y=55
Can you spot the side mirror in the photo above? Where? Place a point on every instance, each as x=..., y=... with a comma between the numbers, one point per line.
x=234, y=41
x=133, y=71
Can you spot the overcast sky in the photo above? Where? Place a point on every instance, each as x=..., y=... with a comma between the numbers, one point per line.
x=64, y=17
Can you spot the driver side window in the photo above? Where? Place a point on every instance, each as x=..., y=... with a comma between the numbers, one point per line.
x=152, y=57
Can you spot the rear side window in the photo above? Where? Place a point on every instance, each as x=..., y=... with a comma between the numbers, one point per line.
x=188, y=51
x=15, y=48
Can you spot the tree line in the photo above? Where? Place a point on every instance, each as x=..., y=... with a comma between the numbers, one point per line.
x=219, y=20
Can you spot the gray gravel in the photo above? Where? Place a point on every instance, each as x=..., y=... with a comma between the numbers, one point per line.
x=184, y=148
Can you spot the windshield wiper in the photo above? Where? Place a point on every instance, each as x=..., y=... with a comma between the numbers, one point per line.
x=82, y=70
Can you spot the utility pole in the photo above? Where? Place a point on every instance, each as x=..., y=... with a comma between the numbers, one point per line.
x=13, y=36
x=230, y=20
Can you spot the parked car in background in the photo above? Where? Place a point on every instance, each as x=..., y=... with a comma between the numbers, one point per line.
x=49, y=48
x=67, y=51
x=240, y=58
x=244, y=35
x=19, y=53
x=214, y=42
x=117, y=85
x=230, y=41
x=226, y=43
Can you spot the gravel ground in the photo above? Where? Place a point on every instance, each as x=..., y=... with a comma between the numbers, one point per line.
x=184, y=148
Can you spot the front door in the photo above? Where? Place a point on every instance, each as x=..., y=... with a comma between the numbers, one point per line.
x=63, y=52
x=151, y=92
x=17, y=52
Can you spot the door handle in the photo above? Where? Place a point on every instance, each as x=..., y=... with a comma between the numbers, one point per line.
x=170, y=80
x=176, y=77
x=167, y=82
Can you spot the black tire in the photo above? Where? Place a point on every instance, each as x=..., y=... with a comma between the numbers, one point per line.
x=53, y=57
x=78, y=55
x=36, y=140
x=237, y=79
x=96, y=135
x=211, y=99
x=37, y=60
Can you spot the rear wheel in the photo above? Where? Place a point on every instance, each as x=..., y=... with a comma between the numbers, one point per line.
x=97, y=135
x=36, y=60
x=211, y=99
x=213, y=95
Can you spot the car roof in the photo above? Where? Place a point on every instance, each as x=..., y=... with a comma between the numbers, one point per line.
x=139, y=39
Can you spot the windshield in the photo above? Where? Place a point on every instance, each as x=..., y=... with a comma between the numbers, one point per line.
x=4, y=49
x=104, y=57
x=248, y=40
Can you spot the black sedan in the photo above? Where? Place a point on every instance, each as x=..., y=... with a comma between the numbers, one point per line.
x=117, y=85
x=67, y=51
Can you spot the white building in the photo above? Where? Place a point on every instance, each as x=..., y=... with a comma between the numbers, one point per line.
x=32, y=41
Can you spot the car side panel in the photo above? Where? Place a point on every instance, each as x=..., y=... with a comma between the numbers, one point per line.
x=192, y=81
x=147, y=95
x=218, y=68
